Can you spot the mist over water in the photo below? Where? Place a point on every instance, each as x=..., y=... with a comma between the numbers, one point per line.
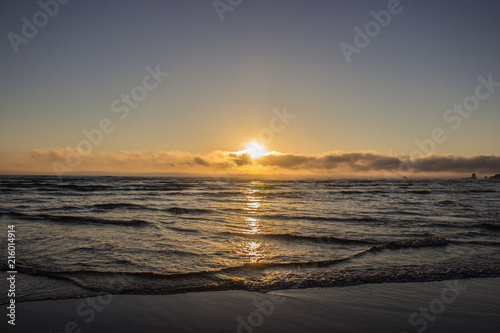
x=84, y=236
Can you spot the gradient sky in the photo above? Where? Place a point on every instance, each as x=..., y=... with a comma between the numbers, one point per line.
x=226, y=77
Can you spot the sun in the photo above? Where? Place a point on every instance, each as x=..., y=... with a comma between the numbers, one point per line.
x=255, y=149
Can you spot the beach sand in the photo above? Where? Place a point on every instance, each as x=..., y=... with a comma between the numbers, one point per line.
x=466, y=305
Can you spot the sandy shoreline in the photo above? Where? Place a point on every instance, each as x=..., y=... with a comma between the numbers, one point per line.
x=468, y=305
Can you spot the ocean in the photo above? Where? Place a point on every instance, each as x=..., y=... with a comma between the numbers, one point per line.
x=87, y=236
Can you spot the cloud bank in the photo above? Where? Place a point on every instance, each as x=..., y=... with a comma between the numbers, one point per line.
x=335, y=163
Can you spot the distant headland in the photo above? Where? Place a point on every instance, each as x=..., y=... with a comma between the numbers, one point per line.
x=495, y=177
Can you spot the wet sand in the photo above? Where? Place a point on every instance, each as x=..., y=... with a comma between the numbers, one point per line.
x=467, y=305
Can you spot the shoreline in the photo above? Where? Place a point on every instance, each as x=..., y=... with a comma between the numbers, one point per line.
x=462, y=305
x=263, y=291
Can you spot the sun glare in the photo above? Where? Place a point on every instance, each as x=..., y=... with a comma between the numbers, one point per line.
x=255, y=149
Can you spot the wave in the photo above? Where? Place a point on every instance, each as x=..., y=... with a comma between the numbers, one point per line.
x=318, y=239
x=75, y=219
x=183, y=229
x=261, y=193
x=477, y=242
x=253, y=276
x=89, y=185
x=280, y=194
x=358, y=192
x=446, y=203
x=412, y=243
x=405, y=212
x=78, y=275
x=492, y=226
x=104, y=206
x=182, y=210
x=495, y=226
x=92, y=220
x=81, y=188
x=220, y=193
x=349, y=192
x=421, y=191
x=298, y=265
x=157, y=188
x=481, y=191
x=320, y=218
x=118, y=205
x=353, y=183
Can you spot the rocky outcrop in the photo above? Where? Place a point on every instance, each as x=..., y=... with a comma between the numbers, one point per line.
x=497, y=176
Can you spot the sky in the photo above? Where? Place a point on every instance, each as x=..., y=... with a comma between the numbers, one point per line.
x=335, y=88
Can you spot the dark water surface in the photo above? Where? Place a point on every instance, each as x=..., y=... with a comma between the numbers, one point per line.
x=84, y=236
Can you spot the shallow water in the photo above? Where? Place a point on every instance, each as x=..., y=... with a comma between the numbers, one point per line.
x=83, y=236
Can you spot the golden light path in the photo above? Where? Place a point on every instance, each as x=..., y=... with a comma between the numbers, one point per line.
x=253, y=249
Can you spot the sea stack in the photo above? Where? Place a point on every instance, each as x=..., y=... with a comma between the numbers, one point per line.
x=473, y=176
x=497, y=176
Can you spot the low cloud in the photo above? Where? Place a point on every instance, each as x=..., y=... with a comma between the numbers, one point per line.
x=376, y=162
x=335, y=163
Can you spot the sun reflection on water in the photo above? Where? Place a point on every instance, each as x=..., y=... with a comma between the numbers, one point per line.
x=253, y=249
x=252, y=225
x=253, y=203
